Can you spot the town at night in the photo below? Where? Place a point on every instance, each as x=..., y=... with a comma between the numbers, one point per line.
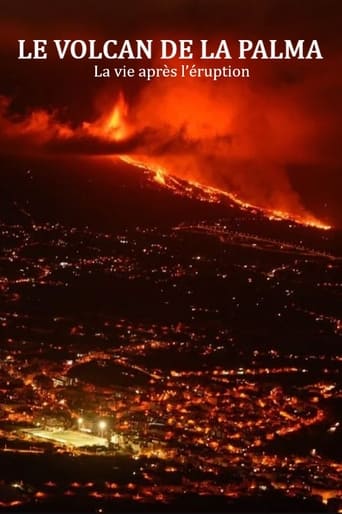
x=197, y=360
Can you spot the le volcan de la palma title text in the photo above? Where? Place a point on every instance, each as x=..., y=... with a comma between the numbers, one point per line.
x=170, y=50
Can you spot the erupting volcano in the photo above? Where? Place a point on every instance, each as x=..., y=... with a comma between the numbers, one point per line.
x=215, y=150
x=179, y=177
x=192, y=188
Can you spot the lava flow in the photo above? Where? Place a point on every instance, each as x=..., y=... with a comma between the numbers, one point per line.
x=194, y=189
x=182, y=149
x=186, y=185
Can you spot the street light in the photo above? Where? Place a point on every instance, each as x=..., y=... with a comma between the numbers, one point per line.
x=102, y=426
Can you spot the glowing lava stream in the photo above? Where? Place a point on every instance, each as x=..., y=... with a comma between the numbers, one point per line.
x=213, y=194
x=40, y=130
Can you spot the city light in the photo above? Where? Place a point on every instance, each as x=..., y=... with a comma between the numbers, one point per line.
x=102, y=426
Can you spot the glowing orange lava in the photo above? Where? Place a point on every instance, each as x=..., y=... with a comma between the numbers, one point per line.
x=113, y=126
x=181, y=166
x=185, y=186
x=214, y=195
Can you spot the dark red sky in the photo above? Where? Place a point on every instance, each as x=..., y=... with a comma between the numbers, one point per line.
x=286, y=119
